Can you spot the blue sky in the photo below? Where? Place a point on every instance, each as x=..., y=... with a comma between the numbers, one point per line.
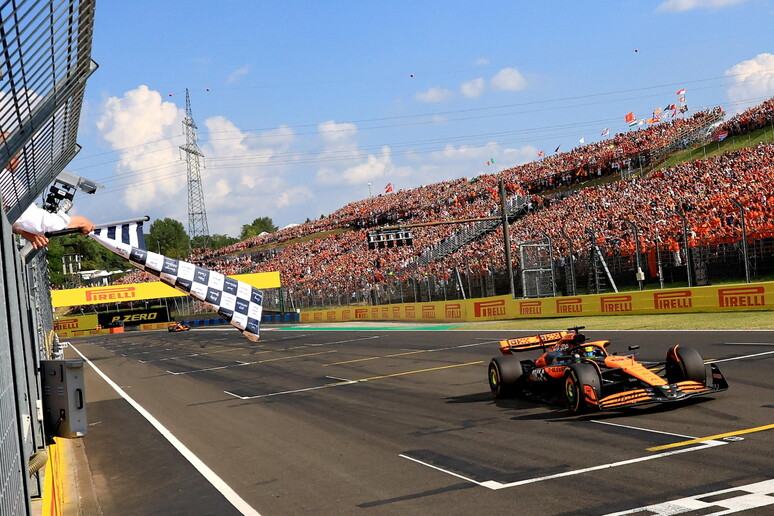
x=300, y=104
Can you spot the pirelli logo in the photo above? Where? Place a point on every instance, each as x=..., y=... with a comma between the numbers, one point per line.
x=318, y=316
x=616, y=304
x=453, y=311
x=305, y=316
x=110, y=294
x=673, y=300
x=385, y=312
x=345, y=315
x=428, y=312
x=331, y=316
x=411, y=312
x=741, y=296
x=395, y=312
x=530, y=307
x=65, y=324
x=374, y=312
x=569, y=305
x=361, y=313
x=489, y=308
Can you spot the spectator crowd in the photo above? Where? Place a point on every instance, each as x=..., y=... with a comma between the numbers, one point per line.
x=702, y=190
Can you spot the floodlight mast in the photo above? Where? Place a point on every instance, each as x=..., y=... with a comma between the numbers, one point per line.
x=197, y=213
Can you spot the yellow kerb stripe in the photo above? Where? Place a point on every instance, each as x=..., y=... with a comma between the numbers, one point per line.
x=712, y=437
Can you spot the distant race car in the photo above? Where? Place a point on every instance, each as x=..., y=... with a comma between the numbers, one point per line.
x=586, y=377
x=175, y=327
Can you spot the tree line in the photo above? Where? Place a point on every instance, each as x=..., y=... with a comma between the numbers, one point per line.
x=166, y=236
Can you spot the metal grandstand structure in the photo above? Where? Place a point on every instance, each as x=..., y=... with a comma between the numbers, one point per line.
x=46, y=61
x=515, y=207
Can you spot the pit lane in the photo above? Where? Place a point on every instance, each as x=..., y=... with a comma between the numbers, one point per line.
x=402, y=422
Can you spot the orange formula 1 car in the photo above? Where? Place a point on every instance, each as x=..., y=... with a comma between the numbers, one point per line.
x=178, y=326
x=586, y=377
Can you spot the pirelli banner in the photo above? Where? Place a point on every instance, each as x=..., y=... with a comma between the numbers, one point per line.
x=140, y=291
x=757, y=296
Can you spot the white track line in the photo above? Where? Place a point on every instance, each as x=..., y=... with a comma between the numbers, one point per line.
x=643, y=429
x=740, y=358
x=495, y=485
x=237, y=501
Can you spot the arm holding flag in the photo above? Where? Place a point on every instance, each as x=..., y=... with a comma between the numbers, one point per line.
x=37, y=224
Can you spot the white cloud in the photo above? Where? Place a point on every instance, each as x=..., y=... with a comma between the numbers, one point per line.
x=150, y=171
x=678, y=6
x=237, y=74
x=509, y=79
x=481, y=61
x=473, y=89
x=244, y=175
x=374, y=167
x=434, y=95
x=337, y=135
x=753, y=81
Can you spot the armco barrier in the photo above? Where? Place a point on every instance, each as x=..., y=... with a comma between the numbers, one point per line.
x=740, y=297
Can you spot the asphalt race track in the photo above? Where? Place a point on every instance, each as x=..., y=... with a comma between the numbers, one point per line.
x=385, y=421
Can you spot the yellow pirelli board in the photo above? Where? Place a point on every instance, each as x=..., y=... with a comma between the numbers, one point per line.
x=755, y=296
x=140, y=291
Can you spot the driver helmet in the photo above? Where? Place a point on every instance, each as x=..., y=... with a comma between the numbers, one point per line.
x=588, y=351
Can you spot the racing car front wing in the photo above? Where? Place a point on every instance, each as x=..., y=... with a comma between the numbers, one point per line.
x=679, y=391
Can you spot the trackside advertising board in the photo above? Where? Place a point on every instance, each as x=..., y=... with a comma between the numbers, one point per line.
x=740, y=297
x=140, y=291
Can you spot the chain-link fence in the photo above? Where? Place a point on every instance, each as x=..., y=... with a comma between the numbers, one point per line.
x=46, y=61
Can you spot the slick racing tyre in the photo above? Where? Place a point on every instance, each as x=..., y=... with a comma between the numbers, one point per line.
x=578, y=379
x=685, y=363
x=504, y=372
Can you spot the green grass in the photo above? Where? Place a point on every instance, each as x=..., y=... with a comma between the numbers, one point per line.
x=754, y=320
x=715, y=148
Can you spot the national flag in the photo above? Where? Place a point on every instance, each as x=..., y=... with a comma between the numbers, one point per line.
x=657, y=112
x=490, y=162
x=582, y=141
x=388, y=188
x=540, y=153
x=682, y=99
x=642, y=121
x=236, y=301
x=680, y=92
x=630, y=117
x=558, y=148
x=720, y=136
x=605, y=132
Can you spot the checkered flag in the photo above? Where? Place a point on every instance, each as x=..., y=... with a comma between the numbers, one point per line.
x=236, y=301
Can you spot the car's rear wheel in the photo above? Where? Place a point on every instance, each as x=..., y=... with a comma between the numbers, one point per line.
x=504, y=372
x=685, y=363
x=579, y=378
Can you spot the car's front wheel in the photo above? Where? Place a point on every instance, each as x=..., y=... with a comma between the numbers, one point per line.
x=685, y=363
x=578, y=379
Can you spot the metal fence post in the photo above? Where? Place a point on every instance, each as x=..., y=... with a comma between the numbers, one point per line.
x=744, y=240
x=639, y=274
x=688, y=267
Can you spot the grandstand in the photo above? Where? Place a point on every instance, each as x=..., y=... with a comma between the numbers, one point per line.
x=596, y=196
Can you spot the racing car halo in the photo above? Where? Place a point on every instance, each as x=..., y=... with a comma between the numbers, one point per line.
x=588, y=378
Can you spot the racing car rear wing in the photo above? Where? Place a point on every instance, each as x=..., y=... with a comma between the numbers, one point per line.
x=541, y=340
